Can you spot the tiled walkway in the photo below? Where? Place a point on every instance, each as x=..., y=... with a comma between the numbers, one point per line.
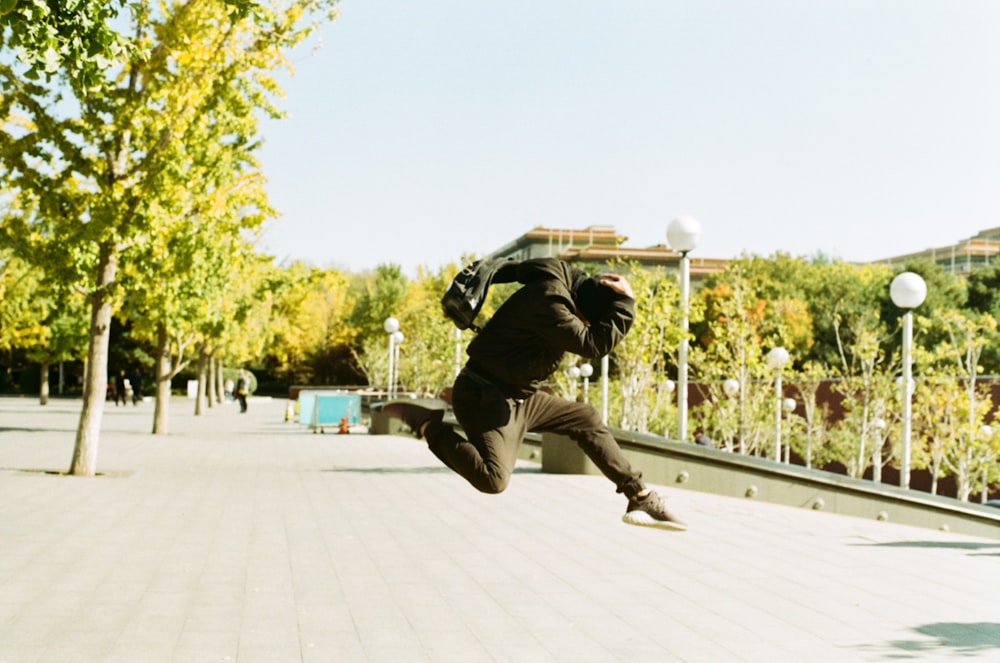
x=246, y=538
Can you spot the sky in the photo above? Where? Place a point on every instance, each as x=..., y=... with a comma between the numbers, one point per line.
x=420, y=133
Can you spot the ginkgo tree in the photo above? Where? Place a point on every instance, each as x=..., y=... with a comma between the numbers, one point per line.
x=41, y=321
x=74, y=38
x=104, y=169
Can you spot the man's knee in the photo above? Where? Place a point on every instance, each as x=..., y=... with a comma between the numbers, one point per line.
x=492, y=484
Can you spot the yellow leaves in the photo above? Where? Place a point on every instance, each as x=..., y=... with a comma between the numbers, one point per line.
x=18, y=122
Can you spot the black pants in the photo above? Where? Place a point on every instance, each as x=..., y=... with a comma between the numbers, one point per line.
x=495, y=428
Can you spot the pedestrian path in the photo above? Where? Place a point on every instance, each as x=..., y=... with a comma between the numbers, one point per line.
x=241, y=537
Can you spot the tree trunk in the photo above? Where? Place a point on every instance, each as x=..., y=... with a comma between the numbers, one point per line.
x=202, y=381
x=43, y=388
x=95, y=381
x=210, y=382
x=162, y=380
x=220, y=382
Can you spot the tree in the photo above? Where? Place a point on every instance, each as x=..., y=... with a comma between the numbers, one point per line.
x=641, y=357
x=73, y=37
x=732, y=347
x=815, y=415
x=311, y=325
x=380, y=295
x=865, y=386
x=105, y=179
x=433, y=346
x=958, y=365
x=983, y=288
x=22, y=311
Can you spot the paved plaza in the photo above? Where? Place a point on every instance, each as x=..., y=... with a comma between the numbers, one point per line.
x=242, y=537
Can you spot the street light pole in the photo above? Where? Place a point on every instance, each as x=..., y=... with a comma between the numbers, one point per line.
x=604, y=388
x=776, y=359
x=586, y=370
x=397, y=337
x=878, y=427
x=788, y=406
x=683, y=235
x=731, y=387
x=985, y=432
x=391, y=326
x=574, y=375
x=908, y=291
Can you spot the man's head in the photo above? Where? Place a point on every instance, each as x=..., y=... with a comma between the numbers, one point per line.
x=593, y=299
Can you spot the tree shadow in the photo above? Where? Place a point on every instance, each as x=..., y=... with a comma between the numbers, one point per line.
x=37, y=429
x=429, y=469
x=971, y=546
x=109, y=474
x=948, y=639
x=388, y=470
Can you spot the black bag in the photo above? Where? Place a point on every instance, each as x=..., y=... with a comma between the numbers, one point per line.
x=467, y=292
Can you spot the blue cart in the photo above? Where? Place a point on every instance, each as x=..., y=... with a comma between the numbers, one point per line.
x=323, y=409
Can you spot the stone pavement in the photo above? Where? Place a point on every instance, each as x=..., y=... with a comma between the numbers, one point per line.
x=246, y=538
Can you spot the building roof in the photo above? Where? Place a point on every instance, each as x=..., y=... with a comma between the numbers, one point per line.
x=603, y=244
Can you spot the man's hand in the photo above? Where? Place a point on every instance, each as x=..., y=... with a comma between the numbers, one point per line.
x=618, y=283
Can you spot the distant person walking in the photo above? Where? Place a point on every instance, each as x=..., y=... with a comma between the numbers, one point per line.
x=120, y=388
x=242, y=389
x=136, y=380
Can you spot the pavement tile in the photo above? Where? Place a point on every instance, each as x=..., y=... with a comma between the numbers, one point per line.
x=247, y=538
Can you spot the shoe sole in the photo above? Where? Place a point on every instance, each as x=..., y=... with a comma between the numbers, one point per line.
x=434, y=408
x=643, y=519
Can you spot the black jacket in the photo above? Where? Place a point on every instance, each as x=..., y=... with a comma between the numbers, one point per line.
x=524, y=341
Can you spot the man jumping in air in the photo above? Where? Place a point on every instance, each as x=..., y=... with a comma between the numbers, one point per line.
x=497, y=399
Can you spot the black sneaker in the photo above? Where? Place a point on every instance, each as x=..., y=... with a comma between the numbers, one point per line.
x=651, y=511
x=415, y=415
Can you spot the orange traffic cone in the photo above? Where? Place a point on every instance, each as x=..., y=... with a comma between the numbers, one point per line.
x=343, y=426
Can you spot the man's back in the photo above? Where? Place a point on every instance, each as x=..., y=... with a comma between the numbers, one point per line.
x=524, y=341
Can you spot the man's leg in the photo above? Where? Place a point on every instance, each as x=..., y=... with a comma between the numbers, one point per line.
x=582, y=423
x=494, y=427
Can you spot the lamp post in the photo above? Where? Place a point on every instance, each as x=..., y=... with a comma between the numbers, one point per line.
x=776, y=359
x=670, y=387
x=391, y=326
x=397, y=338
x=683, y=235
x=908, y=291
x=731, y=388
x=985, y=432
x=586, y=370
x=604, y=388
x=788, y=406
x=878, y=427
x=574, y=375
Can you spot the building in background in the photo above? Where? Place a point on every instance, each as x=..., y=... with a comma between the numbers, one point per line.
x=981, y=250
x=598, y=245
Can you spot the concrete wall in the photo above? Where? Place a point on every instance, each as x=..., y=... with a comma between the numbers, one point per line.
x=692, y=467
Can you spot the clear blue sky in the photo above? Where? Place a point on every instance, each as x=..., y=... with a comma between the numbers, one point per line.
x=423, y=131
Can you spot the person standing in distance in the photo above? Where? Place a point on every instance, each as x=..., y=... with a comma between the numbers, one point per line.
x=497, y=398
x=242, y=389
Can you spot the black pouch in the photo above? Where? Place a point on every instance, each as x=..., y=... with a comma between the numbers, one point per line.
x=465, y=296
